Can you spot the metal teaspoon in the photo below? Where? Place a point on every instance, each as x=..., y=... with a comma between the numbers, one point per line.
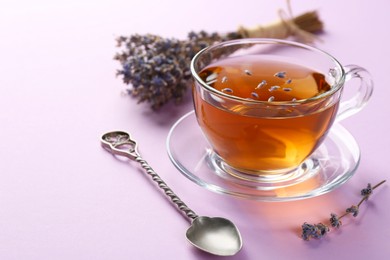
x=218, y=236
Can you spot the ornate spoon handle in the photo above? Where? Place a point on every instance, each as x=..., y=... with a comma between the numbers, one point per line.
x=120, y=143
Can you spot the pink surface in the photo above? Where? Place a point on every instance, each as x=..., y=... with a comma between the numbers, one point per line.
x=63, y=197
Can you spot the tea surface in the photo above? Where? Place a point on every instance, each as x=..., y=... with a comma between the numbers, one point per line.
x=265, y=80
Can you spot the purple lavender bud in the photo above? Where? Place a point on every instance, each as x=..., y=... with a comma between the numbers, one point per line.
x=335, y=221
x=354, y=210
x=367, y=191
x=321, y=230
x=308, y=231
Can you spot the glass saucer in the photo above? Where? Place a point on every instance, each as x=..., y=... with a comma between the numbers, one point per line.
x=337, y=160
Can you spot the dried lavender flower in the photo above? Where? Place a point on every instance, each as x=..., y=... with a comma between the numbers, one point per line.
x=280, y=74
x=367, y=191
x=248, y=72
x=227, y=90
x=335, y=221
x=354, y=210
x=273, y=88
x=261, y=84
x=307, y=231
x=316, y=231
x=321, y=230
x=254, y=95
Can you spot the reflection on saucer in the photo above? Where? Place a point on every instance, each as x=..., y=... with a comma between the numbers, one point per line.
x=336, y=160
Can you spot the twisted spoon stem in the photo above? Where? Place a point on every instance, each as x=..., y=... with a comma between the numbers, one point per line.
x=120, y=143
x=162, y=185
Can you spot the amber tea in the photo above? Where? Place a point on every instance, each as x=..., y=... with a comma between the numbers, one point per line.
x=278, y=132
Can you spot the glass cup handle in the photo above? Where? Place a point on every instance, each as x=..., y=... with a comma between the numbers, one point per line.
x=360, y=98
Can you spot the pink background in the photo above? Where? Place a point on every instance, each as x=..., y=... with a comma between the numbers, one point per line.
x=63, y=197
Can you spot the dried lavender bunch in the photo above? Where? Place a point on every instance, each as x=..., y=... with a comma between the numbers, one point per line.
x=320, y=230
x=158, y=69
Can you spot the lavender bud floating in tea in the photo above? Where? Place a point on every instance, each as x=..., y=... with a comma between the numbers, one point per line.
x=320, y=230
x=157, y=69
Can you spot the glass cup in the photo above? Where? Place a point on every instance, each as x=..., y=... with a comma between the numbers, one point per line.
x=266, y=105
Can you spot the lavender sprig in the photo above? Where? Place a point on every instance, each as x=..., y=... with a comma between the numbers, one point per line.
x=319, y=230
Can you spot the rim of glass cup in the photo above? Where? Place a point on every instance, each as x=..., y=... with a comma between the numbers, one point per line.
x=335, y=87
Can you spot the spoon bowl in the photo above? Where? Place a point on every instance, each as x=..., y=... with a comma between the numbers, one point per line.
x=218, y=236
